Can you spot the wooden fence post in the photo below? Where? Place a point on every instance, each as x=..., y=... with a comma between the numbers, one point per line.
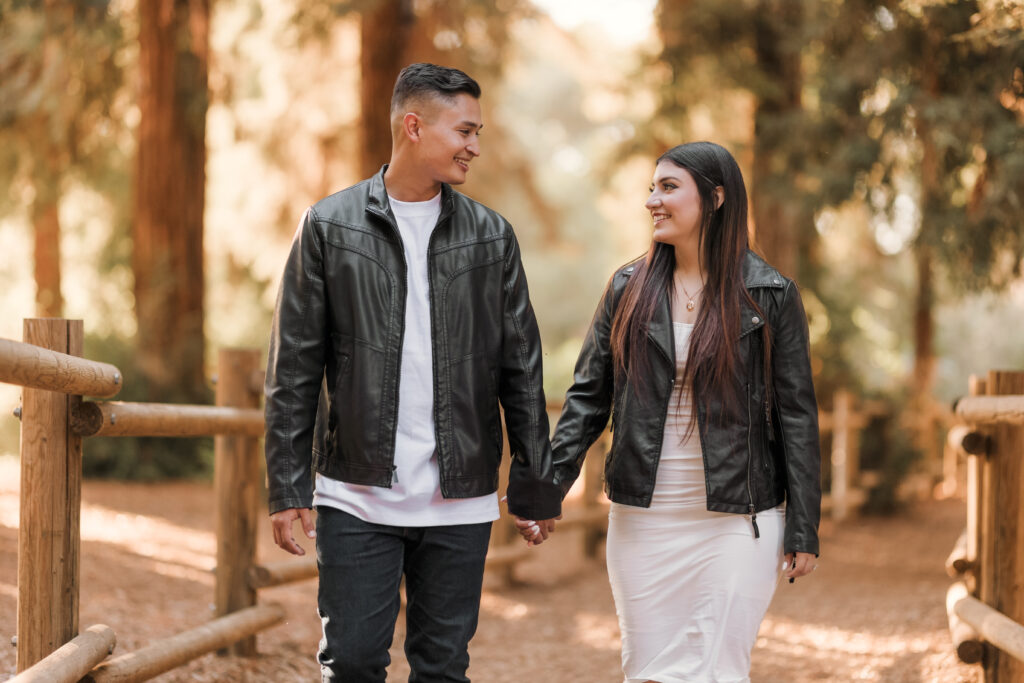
x=51, y=494
x=1002, y=569
x=975, y=387
x=237, y=484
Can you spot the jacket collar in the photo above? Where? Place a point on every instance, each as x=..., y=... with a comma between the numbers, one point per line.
x=756, y=273
x=377, y=202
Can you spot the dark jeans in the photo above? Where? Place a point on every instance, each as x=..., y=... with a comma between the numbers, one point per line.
x=361, y=566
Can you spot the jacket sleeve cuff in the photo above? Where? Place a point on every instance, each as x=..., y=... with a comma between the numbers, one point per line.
x=534, y=500
x=278, y=504
x=800, y=544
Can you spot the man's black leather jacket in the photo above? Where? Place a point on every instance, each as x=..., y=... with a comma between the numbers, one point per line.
x=752, y=461
x=339, y=324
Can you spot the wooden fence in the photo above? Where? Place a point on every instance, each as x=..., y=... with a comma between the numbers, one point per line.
x=54, y=421
x=985, y=606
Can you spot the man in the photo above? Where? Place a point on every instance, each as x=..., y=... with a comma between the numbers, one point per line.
x=404, y=312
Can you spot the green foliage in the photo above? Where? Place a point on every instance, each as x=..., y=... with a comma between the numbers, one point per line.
x=930, y=97
x=147, y=459
x=137, y=458
x=60, y=69
x=886, y=448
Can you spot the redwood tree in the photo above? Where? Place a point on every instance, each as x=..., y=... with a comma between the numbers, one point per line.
x=170, y=185
x=380, y=60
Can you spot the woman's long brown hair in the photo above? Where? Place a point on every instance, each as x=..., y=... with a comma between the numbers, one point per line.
x=722, y=246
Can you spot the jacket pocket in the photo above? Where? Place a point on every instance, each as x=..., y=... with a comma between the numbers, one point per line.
x=332, y=413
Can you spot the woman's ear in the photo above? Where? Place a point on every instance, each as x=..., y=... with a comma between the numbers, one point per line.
x=719, y=197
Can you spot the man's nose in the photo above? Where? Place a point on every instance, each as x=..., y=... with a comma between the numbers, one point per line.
x=474, y=146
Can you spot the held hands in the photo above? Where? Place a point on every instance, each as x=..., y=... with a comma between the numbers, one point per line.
x=535, y=532
x=284, y=522
x=800, y=565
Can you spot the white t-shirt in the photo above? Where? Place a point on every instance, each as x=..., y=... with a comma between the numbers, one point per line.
x=414, y=498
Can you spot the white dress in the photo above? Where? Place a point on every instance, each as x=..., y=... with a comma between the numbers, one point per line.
x=690, y=586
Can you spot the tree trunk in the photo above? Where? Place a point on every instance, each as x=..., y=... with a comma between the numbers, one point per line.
x=931, y=205
x=924, y=327
x=170, y=197
x=386, y=31
x=47, y=172
x=776, y=221
x=45, y=221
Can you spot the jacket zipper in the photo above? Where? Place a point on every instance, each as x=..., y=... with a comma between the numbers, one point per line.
x=668, y=402
x=401, y=345
x=401, y=338
x=750, y=457
x=433, y=353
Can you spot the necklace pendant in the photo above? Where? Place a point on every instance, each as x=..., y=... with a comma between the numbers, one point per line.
x=690, y=305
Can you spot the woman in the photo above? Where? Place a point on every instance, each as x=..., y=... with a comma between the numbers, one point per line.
x=699, y=353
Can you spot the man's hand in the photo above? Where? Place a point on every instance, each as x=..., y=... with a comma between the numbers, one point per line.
x=535, y=532
x=283, y=523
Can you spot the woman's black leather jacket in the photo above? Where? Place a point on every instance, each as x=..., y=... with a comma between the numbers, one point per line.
x=753, y=461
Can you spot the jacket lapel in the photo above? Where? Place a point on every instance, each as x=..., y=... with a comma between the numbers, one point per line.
x=660, y=330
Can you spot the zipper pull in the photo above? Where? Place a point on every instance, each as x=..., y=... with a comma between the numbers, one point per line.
x=753, y=521
x=394, y=473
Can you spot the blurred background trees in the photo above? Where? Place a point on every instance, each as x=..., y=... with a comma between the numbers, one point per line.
x=58, y=83
x=160, y=153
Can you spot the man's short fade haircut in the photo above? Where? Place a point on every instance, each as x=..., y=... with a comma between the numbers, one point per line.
x=430, y=80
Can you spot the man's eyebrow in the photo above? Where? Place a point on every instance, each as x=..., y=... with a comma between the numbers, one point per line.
x=471, y=124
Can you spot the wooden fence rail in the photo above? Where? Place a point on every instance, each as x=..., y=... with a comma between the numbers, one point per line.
x=72, y=660
x=115, y=418
x=40, y=367
x=172, y=652
x=986, y=608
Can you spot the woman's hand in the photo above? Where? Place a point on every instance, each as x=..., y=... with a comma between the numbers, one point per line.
x=802, y=565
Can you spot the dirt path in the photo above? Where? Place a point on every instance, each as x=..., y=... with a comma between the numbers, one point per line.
x=872, y=612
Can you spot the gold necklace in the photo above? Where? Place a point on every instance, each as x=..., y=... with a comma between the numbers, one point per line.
x=690, y=305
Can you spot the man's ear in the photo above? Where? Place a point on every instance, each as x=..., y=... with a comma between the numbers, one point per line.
x=411, y=126
x=719, y=197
